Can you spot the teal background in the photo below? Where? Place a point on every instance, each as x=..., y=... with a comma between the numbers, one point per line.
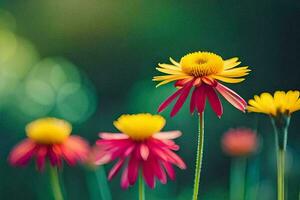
x=91, y=61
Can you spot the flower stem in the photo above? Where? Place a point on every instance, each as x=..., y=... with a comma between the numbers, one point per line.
x=55, y=184
x=237, y=178
x=281, y=124
x=280, y=173
x=141, y=188
x=199, y=156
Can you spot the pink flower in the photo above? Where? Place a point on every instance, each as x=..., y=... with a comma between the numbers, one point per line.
x=49, y=138
x=239, y=142
x=201, y=73
x=140, y=147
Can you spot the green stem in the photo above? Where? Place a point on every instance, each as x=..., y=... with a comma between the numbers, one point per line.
x=280, y=173
x=237, y=178
x=55, y=184
x=102, y=183
x=199, y=156
x=141, y=188
x=281, y=124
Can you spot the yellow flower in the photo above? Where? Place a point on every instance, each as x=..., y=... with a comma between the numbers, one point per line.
x=280, y=103
x=48, y=130
x=202, y=64
x=140, y=126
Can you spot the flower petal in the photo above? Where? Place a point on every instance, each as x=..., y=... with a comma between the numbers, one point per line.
x=113, y=136
x=169, y=100
x=200, y=98
x=124, y=179
x=116, y=168
x=184, y=94
x=168, y=135
x=22, y=152
x=214, y=101
x=232, y=97
x=144, y=151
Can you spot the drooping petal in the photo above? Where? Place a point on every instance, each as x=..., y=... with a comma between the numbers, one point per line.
x=148, y=174
x=169, y=100
x=179, y=103
x=169, y=169
x=193, y=101
x=41, y=154
x=200, y=98
x=116, y=168
x=214, y=101
x=159, y=171
x=124, y=179
x=22, y=152
x=232, y=97
x=133, y=168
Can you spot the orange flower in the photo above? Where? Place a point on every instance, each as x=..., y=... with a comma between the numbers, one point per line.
x=49, y=138
x=239, y=142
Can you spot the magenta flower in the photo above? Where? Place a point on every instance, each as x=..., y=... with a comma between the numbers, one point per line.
x=140, y=147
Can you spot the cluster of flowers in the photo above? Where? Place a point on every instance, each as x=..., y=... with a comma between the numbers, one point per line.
x=140, y=147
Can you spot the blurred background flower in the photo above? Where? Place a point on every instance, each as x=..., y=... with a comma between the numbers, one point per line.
x=105, y=42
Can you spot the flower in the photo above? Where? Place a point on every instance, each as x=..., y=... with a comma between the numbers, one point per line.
x=140, y=145
x=202, y=71
x=239, y=142
x=49, y=138
x=282, y=103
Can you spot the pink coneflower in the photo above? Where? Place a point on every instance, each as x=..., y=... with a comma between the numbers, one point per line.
x=49, y=138
x=140, y=147
x=239, y=142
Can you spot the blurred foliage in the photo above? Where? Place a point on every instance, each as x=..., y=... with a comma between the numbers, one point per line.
x=91, y=61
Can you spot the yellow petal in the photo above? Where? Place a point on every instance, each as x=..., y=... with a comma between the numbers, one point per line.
x=228, y=80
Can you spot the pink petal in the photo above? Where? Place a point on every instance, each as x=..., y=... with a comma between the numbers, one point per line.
x=169, y=100
x=113, y=136
x=174, y=158
x=148, y=174
x=232, y=97
x=144, y=151
x=184, y=94
x=116, y=168
x=22, y=152
x=200, y=97
x=169, y=169
x=168, y=135
x=159, y=171
x=193, y=101
x=133, y=169
x=214, y=101
x=182, y=82
x=124, y=179
x=41, y=154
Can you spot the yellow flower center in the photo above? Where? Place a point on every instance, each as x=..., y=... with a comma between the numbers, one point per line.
x=201, y=64
x=140, y=126
x=48, y=130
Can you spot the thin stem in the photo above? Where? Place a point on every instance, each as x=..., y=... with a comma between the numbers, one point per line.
x=102, y=183
x=199, y=156
x=55, y=184
x=237, y=178
x=280, y=173
x=141, y=188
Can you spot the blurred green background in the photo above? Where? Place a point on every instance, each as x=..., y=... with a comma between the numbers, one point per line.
x=89, y=61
